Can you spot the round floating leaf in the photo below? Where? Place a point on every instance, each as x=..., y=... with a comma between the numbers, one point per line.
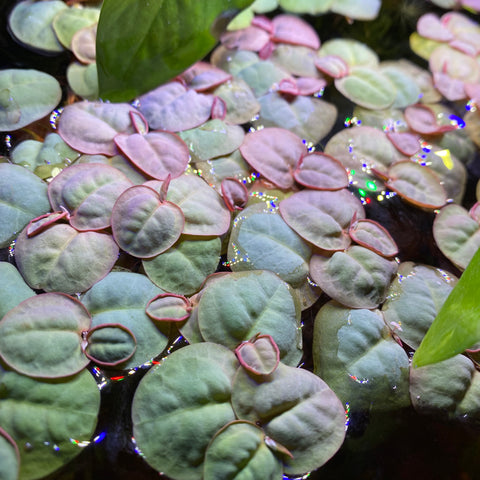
x=88, y=191
x=90, y=127
x=372, y=235
x=203, y=76
x=457, y=234
x=121, y=298
x=405, y=142
x=26, y=96
x=173, y=108
x=169, y=307
x=297, y=410
x=31, y=23
x=414, y=299
x=355, y=354
x=157, y=154
x=241, y=448
x=84, y=44
x=162, y=407
x=454, y=63
x=353, y=52
x=308, y=117
x=356, y=278
x=261, y=76
x=184, y=267
x=143, y=225
x=429, y=25
x=274, y=153
x=305, y=6
x=332, y=65
x=250, y=38
x=214, y=138
x=322, y=217
x=251, y=302
x=365, y=10
x=261, y=240
x=42, y=336
x=259, y=356
x=14, y=289
x=56, y=418
x=367, y=87
x=83, y=80
x=21, y=204
x=416, y=184
x=9, y=457
x=70, y=20
x=62, y=259
x=320, y=171
x=296, y=60
x=422, y=119
x=294, y=30
x=407, y=91
x=110, y=345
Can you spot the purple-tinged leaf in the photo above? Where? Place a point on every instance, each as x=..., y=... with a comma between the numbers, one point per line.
x=430, y=26
x=174, y=108
x=370, y=234
x=83, y=44
x=139, y=122
x=235, y=193
x=322, y=217
x=288, y=86
x=62, y=259
x=169, y=307
x=264, y=23
x=405, y=142
x=473, y=91
x=294, y=30
x=320, y=171
x=251, y=38
x=452, y=89
x=274, y=153
x=110, y=344
x=219, y=109
x=143, y=225
x=39, y=224
x=157, y=154
x=454, y=63
x=422, y=119
x=266, y=52
x=87, y=191
x=332, y=65
x=42, y=336
x=203, y=76
x=310, y=85
x=259, y=355
x=90, y=127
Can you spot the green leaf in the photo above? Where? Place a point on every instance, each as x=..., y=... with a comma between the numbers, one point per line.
x=446, y=338
x=9, y=457
x=170, y=35
x=14, y=289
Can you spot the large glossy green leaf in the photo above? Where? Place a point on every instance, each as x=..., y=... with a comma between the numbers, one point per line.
x=446, y=338
x=170, y=35
x=49, y=421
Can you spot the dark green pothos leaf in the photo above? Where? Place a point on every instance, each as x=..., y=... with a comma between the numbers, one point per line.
x=170, y=35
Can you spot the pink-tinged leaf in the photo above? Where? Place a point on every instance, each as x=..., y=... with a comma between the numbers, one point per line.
x=474, y=212
x=266, y=52
x=274, y=153
x=139, y=122
x=473, y=91
x=422, y=119
x=445, y=59
x=452, y=89
x=157, y=154
x=143, y=225
x=310, y=85
x=110, y=344
x=294, y=30
x=259, y=356
x=251, y=38
x=417, y=184
x=464, y=46
x=204, y=76
x=169, y=307
x=405, y=142
x=90, y=127
x=332, y=65
x=219, y=108
x=322, y=218
x=83, y=44
x=263, y=22
x=288, y=86
x=173, y=108
x=472, y=4
x=87, y=191
x=320, y=171
x=430, y=26
x=372, y=235
x=235, y=194
x=37, y=225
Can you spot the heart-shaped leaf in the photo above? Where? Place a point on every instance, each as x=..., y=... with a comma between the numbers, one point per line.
x=42, y=336
x=26, y=96
x=62, y=259
x=320, y=171
x=422, y=119
x=121, y=298
x=356, y=277
x=325, y=216
x=88, y=191
x=235, y=442
x=297, y=410
x=430, y=26
x=253, y=302
x=21, y=204
x=370, y=234
x=157, y=154
x=251, y=38
x=414, y=299
x=143, y=225
x=57, y=419
x=162, y=406
x=294, y=30
x=169, y=307
x=259, y=356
